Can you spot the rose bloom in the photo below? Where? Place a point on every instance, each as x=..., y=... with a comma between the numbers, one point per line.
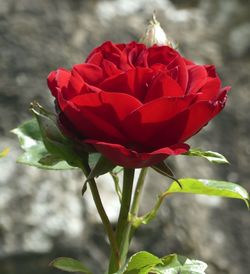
x=136, y=105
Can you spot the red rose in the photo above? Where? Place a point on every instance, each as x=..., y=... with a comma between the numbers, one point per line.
x=136, y=105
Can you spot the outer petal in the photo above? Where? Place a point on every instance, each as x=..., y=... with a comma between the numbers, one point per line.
x=58, y=79
x=76, y=86
x=210, y=91
x=129, y=158
x=99, y=115
x=158, y=123
x=199, y=115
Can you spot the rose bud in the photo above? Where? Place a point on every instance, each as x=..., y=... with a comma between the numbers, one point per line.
x=136, y=105
x=155, y=35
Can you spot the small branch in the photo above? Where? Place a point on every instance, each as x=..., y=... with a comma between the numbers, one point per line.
x=117, y=186
x=138, y=192
x=145, y=219
x=102, y=213
x=123, y=225
x=136, y=202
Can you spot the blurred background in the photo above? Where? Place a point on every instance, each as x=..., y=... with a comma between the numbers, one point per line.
x=42, y=213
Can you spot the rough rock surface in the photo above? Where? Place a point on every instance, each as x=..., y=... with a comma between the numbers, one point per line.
x=42, y=213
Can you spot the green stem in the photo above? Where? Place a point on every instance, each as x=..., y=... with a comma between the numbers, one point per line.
x=138, y=192
x=137, y=198
x=153, y=212
x=117, y=186
x=105, y=220
x=123, y=225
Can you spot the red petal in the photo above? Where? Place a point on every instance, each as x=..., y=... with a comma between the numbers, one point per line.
x=95, y=59
x=197, y=77
x=180, y=66
x=128, y=158
x=90, y=73
x=210, y=91
x=199, y=115
x=163, y=85
x=99, y=115
x=120, y=103
x=110, y=68
x=211, y=71
x=109, y=50
x=133, y=82
x=75, y=86
x=90, y=120
x=162, y=55
x=156, y=123
x=58, y=79
x=171, y=59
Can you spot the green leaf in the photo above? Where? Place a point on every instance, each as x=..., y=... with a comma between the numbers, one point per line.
x=50, y=160
x=141, y=263
x=30, y=140
x=175, y=264
x=4, y=152
x=69, y=265
x=102, y=166
x=144, y=263
x=211, y=156
x=210, y=187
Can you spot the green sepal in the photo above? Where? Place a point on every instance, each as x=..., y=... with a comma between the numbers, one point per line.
x=55, y=142
x=69, y=265
x=163, y=169
x=4, y=152
x=211, y=156
x=93, y=159
x=210, y=187
x=102, y=166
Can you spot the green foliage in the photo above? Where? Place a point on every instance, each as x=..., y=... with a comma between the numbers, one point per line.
x=210, y=187
x=175, y=264
x=102, y=166
x=141, y=263
x=46, y=147
x=35, y=153
x=69, y=265
x=144, y=263
x=4, y=152
x=211, y=156
x=54, y=141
